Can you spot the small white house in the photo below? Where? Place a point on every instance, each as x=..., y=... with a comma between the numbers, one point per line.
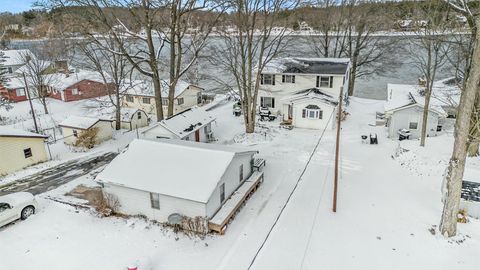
x=311, y=108
x=131, y=118
x=405, y=103
x=283, y=77
x=160, y=178
x=194, y=124
x=14, y=59
x=20, y=149
x=74, y=126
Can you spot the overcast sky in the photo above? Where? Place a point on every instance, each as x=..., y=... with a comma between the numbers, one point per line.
x=15, y=6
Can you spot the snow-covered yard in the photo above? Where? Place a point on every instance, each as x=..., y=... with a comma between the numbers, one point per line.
x=386, y=207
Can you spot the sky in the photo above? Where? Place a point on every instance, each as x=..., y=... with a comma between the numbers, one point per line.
x=15, y=6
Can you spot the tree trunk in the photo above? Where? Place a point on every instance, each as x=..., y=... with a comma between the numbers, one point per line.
x=474, y=142
x=351, y=78
x=425, y=114
x=117, y=110
x=158, y=98
x=44, y=103
x=454, y=176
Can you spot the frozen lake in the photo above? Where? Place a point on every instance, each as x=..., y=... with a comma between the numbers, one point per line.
x=371, y=86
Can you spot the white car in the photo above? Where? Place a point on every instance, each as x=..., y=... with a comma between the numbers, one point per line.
x=15, y=206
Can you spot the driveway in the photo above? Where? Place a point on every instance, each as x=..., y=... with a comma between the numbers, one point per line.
x=54, y=177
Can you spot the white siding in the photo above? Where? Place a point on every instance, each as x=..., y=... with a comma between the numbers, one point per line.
x=137, y=202
x=104, y=133
x=231, y=178
x=161, y=132
x=328, y=120
x=12, y=157
x=401, y=119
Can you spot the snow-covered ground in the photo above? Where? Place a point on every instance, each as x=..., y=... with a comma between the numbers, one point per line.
x=386, y=207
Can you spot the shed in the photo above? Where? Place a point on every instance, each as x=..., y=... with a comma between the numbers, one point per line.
x=20, y=149
x=194, y=124
x=131, y=118
x=74, y=126
x=160, y=178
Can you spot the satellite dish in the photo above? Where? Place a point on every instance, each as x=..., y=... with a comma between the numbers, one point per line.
x=175, y=219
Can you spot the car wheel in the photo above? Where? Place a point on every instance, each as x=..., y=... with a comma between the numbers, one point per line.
x=27, y=211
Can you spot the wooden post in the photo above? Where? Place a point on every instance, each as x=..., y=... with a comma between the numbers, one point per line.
x=30, y=101
x=337, y=150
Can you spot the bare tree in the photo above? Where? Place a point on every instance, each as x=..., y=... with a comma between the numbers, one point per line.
x=429, y=50
x=113, y=68
x=246, y=51
x=454, y=175
x=4, y=103
x=158, y=28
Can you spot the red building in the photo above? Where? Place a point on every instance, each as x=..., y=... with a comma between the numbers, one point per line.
x=13, y=89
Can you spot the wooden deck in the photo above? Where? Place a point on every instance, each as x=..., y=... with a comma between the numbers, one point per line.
x=220, y=220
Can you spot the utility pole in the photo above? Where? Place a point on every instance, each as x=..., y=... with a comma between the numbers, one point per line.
x=337, y=150
x=30, y=101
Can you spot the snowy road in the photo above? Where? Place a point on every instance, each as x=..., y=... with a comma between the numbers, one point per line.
x=56, y=176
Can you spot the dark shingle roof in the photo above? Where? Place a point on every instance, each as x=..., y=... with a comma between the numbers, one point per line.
x=471, y=191
x=316, y=67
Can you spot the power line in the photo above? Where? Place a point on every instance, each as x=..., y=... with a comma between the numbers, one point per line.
x=290, y=195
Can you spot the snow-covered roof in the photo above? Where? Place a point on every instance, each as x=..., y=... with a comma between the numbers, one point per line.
x=326, y=66
x=184, y=123
x=312, y=93
x=444, y=93
x=80, y=122
x=35, y=66
x=14, y=82
x=11, y=132
x=61, y=81
x=145, y=88
x=15, y=57
x=175, y=168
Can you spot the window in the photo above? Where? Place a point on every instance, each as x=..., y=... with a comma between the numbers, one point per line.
x=268, y=79
x=27, y=152
x=199, y=97
x=75, y=133
x=267, y=102
x=4, y=206
x=10, y=70
x=74, y=91
x=439, y=128
x=129, y=98
x=325, y=81
x=241, y=172
x=222, y=192
x=413, y=125
x=288, y=78
x=312, y=112
x=165, y=101
x=155, y=200
x=146, y=100
x=139, y=115
x=180, y=101
x=20, y=92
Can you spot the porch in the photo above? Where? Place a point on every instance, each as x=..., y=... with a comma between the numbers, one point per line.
x=229, y=209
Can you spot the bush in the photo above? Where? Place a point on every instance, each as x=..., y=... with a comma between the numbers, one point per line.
x=87, y=138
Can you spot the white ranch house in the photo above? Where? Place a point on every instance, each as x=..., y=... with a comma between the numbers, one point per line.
x=310, y=108
x=194, y=124
x=283, y=77
x=20, y=149
x=159, y=179
x=405, y=103
x=140, y=94
x=74, y=126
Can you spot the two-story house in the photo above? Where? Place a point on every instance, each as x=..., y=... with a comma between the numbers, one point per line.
x=141, y=95
x=284, y=79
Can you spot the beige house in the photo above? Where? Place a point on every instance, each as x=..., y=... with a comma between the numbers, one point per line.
x=73, y=126
x=140, y=95
x=20, y=149
x=131, y=118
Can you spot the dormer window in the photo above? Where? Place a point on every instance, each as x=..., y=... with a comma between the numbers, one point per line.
x=267, y=79
x=312, y=112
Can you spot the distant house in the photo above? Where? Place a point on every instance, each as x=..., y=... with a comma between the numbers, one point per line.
x=131, y=118
x=74, y=126
x=311, y=108
x=283, y=77
x=13, y=89
x=405, y=103
x=140, y=94
x=173, y=178
x=77, y=84
x=20, y=149
x=470, y=198
x=14, y=59
x=194, y=124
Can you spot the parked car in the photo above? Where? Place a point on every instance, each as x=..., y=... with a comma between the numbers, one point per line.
x=15, y=206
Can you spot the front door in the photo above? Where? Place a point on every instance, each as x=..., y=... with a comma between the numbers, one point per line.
x=290, y=111
x=197, y=135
